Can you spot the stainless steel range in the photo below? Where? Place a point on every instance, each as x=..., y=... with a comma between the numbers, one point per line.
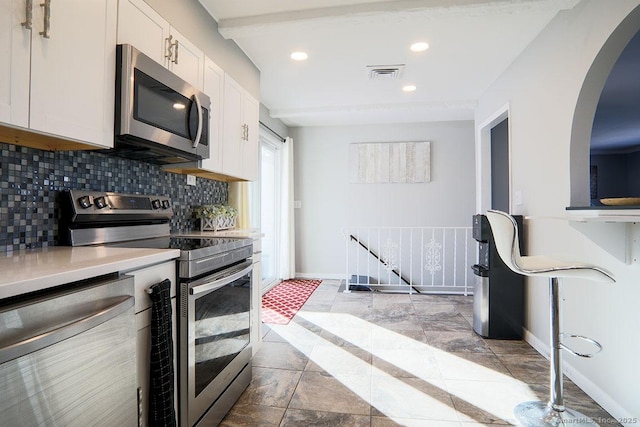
x=214, y=293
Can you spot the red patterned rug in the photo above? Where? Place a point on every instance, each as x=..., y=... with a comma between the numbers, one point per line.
x=283, y=301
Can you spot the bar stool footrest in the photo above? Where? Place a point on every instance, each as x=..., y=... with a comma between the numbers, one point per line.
x=587, y=339
x=541, y=414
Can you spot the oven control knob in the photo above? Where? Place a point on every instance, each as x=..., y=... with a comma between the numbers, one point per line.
x=85, y=202
x=155, y=204
x=100, y=202
x=166, y=204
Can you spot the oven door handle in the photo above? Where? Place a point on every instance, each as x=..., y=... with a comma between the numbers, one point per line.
x=221, y=282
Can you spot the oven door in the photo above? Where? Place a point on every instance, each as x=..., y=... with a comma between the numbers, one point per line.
x=157, y=111
x=214, y=337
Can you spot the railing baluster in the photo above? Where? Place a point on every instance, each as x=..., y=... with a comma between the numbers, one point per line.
x=411, y=261
x=444, y=261
x=348, y=245
x=422, y=257
x=466, y=261
x=400, y=255
x=455, y=256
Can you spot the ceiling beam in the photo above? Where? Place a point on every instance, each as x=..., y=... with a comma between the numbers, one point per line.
x=234, y=28
x=283, y=113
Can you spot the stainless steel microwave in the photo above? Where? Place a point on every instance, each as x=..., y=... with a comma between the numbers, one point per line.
x=159, y=117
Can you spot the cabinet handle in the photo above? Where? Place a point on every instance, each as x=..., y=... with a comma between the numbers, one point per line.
x=47, y=19
x=175, y=56
x=28, y=14
x=169, y=52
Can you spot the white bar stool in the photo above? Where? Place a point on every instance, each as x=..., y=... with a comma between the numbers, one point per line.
x=553, y=412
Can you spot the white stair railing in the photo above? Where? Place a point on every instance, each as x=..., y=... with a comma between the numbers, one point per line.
x=410, y=259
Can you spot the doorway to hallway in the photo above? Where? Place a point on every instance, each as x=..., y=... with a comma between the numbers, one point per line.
x=500, y=166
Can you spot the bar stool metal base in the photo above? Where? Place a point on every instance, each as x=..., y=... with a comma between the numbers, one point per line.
x=542, y=414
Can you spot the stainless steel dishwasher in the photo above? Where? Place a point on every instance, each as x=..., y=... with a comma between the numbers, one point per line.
x=68, y=356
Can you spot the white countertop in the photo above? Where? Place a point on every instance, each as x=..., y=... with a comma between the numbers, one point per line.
x=28, y=271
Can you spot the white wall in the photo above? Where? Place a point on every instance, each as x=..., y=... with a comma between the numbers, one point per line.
x=542, y=89
x=329, y=202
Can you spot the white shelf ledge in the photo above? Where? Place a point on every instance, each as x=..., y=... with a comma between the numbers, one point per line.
x=615, y=230
x=606, y=215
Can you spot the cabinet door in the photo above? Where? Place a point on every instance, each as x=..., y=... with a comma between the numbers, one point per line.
x=187, y=61
x=143, y=352
x=143, y=28
x=250, y=117
x=15, y=42
x=144, y=278
x=232, y=128
x=73, y=71
x=214, y=87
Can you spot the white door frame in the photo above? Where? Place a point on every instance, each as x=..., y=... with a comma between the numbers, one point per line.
x=483, y=159
x=265, y=137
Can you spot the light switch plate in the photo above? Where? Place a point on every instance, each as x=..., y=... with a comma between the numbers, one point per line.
x=517, y=198
x=191, y=180
x=297, y=204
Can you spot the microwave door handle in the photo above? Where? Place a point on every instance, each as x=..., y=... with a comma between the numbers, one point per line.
x=196, y=140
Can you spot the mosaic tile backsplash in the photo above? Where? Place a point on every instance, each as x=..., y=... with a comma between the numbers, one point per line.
x=30, y=181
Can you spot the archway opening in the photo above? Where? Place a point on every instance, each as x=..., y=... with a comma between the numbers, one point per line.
x=596, y=112
x=615, y=135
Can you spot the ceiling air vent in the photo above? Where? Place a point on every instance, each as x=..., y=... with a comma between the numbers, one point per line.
x=385, y=72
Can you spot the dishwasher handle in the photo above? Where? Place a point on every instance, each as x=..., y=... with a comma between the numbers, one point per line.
x=68, y=330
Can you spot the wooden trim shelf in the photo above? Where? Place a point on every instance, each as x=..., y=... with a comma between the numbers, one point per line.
x=27, y=138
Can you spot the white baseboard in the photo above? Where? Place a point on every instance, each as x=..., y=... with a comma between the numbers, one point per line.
x=588, y=386
x=333, y=276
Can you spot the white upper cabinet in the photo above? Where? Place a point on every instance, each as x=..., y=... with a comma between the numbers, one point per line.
x=251, y=113
x=239, y=132
x=142, y=27
x=15, y=51
x=232, y=128
x=187, y=61
x=214, y=88
x=58, y=69
x=139, y=25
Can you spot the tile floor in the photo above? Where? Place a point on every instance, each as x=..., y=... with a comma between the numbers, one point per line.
x=378, y=360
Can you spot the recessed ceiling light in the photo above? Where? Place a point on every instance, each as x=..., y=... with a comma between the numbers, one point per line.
x=409, y=88
x=419, y=47
x=299, y=56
